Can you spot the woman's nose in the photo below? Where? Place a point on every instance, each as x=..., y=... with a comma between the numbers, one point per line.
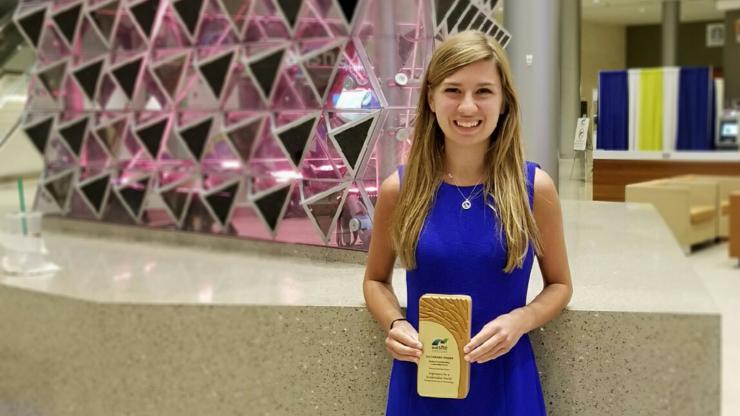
x=467, y=105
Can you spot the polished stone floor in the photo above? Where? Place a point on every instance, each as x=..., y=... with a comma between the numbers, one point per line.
x=719, y=274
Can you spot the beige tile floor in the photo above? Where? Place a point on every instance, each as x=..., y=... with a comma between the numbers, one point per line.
x=719, y=273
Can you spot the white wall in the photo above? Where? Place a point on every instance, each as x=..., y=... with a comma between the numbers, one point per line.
x=603, y=47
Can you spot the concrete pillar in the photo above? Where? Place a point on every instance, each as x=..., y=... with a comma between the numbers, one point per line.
x=671, y=21
x=534, y=52
x=731, y=59
x=570, y=76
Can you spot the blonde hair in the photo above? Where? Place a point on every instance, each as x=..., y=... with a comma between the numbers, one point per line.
x=504, y=159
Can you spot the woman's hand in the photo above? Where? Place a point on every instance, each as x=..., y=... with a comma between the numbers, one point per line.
x=403, y=343
x=496, y=338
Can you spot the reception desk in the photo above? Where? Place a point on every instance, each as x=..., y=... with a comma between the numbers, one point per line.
x=613, y=170
x=162, y=323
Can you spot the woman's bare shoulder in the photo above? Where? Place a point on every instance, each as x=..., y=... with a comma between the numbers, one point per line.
x=390, y=188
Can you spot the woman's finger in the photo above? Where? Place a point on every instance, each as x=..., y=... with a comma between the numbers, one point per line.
x=489, y=345
x=400, y=348
x=399, y=356
x=408, y=358
x=405, y=338
x=494, y=354
x=485, y=333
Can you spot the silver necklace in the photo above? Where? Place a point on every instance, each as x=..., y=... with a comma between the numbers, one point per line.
x=466, y=204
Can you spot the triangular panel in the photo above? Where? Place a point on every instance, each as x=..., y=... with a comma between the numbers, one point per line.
x=127, y=74
x=39, y=133
x=116, y=212
x=271, y=206
x=196, y=137
x=68, y=21
x=221, y=202
x=295, y=136
x=352, y=139
x=128, y=35
x=104, y=18
x=32, y=24
x=92, y=44
x=95, y=192
x=345, y=93
x=214, y=72
x=321, y=74
x=170, y=72
x=144, y=14
x=94, y=156
x=152, y=136
x=290, y=9
x=87, y=77
x=149, y=95
x=266, y=22
x=244, y=136
x=221, y=26
x=349, y=7
x=59, y=188
x=236, y=10
x=293, y=92
x=189, y=12
x=133, y=195
x=265, y=70
x=112, y=133
x=52, y=78
x=74, y=134
x=176, y=200
x=325, y=208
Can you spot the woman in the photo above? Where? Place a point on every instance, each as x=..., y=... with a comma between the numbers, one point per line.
x=466, y=215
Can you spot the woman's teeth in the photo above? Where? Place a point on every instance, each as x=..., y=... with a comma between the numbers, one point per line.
x=468, y=124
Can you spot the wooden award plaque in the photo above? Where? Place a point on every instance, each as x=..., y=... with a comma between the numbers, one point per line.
x=444, y=329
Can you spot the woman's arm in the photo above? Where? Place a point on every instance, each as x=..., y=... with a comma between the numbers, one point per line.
x=403, y=340
x=500, y=335
x=553, y=260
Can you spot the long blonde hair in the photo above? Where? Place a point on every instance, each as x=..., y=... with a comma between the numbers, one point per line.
x=504, y=159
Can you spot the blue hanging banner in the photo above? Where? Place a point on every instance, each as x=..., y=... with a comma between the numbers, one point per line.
x=613, y=111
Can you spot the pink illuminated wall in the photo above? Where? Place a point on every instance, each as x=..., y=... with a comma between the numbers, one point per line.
x=267, y=119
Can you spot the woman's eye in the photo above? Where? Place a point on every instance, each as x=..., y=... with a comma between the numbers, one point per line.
x=485, y=91
x=452, y=90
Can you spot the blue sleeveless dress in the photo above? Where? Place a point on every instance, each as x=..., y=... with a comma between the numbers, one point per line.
x=462, y=252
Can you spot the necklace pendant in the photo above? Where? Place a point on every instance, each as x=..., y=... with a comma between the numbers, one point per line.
x=466, y=204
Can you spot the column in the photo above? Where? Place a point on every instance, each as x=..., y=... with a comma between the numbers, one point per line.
x=570, y=76
x=671, y=20
x=534, y=52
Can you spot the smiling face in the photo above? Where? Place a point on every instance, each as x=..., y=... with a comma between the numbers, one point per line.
x=468, y=103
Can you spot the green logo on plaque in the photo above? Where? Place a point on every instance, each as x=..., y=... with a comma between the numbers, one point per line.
x=439, y=341
x=440, y=344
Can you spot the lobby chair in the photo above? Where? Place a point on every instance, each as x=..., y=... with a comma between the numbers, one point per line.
x=688, y=207
x=725, y=186
x=734, y=225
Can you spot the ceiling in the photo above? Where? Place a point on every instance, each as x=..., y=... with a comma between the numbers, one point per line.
x=639, y=12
